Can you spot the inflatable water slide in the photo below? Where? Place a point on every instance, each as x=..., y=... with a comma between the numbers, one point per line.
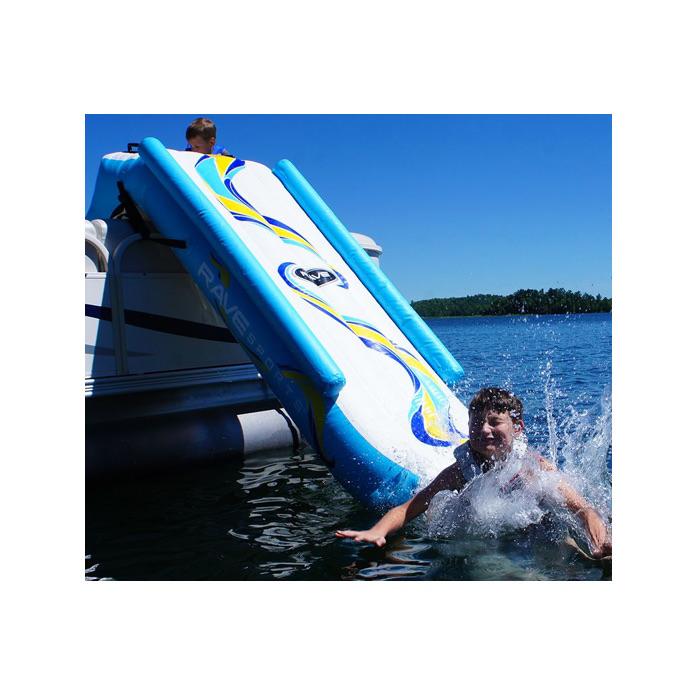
x=362, y=376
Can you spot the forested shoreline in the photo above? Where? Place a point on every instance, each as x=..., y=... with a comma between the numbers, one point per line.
x=524, y=301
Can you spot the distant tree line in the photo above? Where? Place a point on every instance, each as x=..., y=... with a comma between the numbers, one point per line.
x=524, y=301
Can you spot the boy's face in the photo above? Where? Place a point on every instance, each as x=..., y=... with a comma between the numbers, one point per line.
x=200, y=145
x=491, y=434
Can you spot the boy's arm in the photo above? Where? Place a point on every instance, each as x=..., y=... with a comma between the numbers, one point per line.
x=596, y=529
x=448, y=479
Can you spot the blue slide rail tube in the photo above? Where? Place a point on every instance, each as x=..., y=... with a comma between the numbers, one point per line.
x=325, y=374
x=376, y=282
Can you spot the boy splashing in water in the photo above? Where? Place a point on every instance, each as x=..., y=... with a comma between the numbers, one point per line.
x=496, y=432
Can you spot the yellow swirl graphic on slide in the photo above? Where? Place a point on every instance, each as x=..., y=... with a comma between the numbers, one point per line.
x=429, y=412
x=218, y=173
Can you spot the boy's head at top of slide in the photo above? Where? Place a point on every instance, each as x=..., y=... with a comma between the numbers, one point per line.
x=201, y=136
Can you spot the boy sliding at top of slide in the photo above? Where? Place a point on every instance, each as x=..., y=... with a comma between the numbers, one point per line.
x=495, y=422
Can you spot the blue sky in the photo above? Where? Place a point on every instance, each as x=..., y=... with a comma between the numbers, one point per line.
x=461, y=204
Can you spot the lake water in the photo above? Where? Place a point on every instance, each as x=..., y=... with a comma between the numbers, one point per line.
x=274, y=517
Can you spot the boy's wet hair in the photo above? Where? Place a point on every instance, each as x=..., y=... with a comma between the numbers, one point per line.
x=493, y=398
x=201, y=127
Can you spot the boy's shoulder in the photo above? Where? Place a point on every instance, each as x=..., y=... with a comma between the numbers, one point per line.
x=536, y=460
x=544, y=464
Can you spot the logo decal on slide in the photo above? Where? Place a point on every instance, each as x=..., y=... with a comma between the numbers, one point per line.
x=317, y=276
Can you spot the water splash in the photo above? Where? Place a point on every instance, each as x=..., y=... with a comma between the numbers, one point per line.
x=517, y=494
x=551, y=394
x=585, y=449
x=509, y=497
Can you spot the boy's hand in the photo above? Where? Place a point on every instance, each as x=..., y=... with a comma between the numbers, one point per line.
x=372, y=536
x=604, y=550
x=601, y=544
